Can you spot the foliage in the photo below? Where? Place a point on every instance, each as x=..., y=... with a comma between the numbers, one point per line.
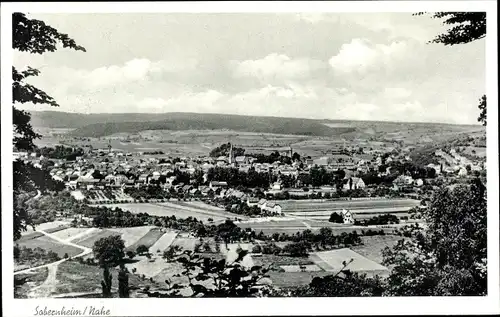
x=346, y=284
x=123, y=288
x=109, y=250
x=142, y=249
x=336, y=218
x=209, y=277
x=449, y=257
x=297, y=249
x=482, y=107
x=27, y=181
x=223, y=150
x=60, y=152
x=33, y=36
x=106, y=283
x=465, y=27
x=379, y=220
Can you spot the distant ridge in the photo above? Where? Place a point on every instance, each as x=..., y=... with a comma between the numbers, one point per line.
x=103, y=124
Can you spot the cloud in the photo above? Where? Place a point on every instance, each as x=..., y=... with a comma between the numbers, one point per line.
x=361, y=56
x=276, y=66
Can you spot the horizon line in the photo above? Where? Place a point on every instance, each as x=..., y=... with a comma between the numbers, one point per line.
x=244, y=115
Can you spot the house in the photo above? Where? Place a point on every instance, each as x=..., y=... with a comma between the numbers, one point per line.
x=354, y=183
x=252, y=201
x=462, y=172
x=242, y=160
x=216, y=184
x=347, y=216
x=276, y=186
x=272, y=208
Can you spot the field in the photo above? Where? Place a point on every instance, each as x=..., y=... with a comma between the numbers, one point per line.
x=69, y=233
x=164, y=242
x=373, y=245
x=133, y=234
x=148, y=239
x=185, y=243
x=89, y=241
x=49, y=244
x=175, y=209
x=334, y=259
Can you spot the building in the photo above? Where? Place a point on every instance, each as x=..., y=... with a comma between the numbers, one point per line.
x=354, y=183
x=215, y=184
x=347, y=216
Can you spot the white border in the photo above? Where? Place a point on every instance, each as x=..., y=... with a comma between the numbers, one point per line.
x=267, y=306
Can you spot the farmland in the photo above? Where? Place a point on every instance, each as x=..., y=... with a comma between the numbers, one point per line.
x=175, y=209
x=148, y=239
x=49, y=244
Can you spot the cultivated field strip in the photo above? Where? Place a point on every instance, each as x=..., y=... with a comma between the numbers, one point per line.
x=164, y=242
x=148, y=239
x=133, y=234
x=390, y=210
x=360, y=263
x=218, y=213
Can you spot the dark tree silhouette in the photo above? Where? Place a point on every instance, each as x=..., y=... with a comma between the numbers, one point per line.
x=36, y=37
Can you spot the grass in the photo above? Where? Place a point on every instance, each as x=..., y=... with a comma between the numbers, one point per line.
x=360, y=263
x=33, y=279
x=373, y=245
x=295, y=279
x=89, y=241
x=267, y=259
x=49, y=244
x=187, y=243
x=132, y=235
x=73, y=276
x=163, y=242
x=69, y=232
x=148, y=240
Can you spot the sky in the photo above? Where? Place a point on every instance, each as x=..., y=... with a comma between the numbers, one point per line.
x=354, y=66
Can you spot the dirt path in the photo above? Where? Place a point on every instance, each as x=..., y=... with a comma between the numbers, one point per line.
x=49, y=285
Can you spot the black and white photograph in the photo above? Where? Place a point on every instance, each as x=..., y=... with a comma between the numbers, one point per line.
x=294, y=152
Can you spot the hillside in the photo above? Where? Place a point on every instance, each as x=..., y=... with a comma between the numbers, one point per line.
x=98, y=125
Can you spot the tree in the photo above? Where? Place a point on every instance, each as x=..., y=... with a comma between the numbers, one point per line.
x=336, y=218
x=106, y=283
x=142, y=249
x=130, y=254
x=36, y=37
x=449, y=257
x=109, y=250
x=123, y=288
x=466, y=27
x=482, y=107
x=208, y=277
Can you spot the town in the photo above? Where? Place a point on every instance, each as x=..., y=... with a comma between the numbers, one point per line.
x=271, y=198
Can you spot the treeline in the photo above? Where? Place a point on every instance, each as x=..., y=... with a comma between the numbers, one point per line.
x=234, y=177
x=223, y=150
x=60, y=152
x=323, y=238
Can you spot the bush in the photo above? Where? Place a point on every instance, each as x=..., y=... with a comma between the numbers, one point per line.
x=142, y=249
x=336, y=218
x=297, y=249
x=257, y=249
x=130, y=254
